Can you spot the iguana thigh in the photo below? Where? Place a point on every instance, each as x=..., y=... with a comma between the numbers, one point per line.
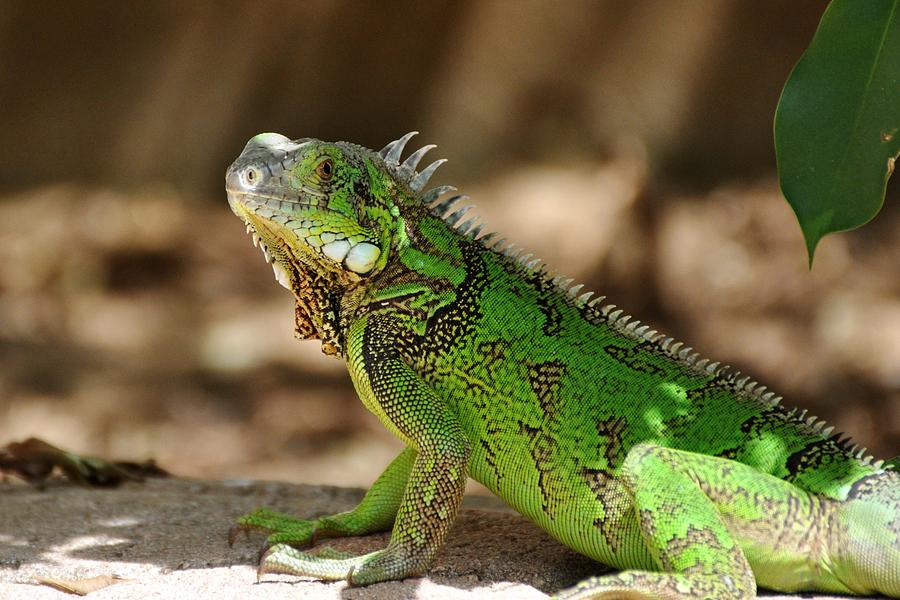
x=715, y=528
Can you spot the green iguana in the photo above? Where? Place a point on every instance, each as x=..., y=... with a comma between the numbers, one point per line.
x=619, y=442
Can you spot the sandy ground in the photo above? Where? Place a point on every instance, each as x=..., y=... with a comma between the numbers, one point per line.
x=167, y=538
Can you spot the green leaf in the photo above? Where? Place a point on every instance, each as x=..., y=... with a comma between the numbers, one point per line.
x=837, y=126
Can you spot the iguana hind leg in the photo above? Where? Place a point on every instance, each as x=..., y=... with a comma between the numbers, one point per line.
x=684, y=532
x=714, y=525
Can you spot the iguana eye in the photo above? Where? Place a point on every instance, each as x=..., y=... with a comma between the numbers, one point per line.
x=325, y=170
x=252, y=176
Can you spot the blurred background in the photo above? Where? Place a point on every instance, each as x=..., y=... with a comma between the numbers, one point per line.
x=626, y=143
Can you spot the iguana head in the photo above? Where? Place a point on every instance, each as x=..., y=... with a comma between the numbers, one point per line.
x=307, y=204
x=325, y=214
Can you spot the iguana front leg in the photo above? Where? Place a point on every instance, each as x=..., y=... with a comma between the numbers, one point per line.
x=434, y=489
x=376, y=512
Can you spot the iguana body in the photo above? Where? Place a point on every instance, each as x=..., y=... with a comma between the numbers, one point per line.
x=692, y=481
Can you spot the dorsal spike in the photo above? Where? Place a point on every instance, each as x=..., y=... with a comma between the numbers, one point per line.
x=453, y=218
x=614, y=315
x=573, y=291
x=419, y=181
x=443, y=206
x=391, y=153
x=435, y=193
x=685, y=353
x=633, y=325
x=488, y=239
x=674, y=348
x=476, y=231
x=596, y=301
x=530, y=265
x=583, y=299
x=409, y=165
x=511, y=251
x=640, y=331
x=701, y=364
x=713, y=368
x=525, y=257
x=466, y=225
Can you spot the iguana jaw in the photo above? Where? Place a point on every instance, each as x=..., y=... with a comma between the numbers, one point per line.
x=272, y=245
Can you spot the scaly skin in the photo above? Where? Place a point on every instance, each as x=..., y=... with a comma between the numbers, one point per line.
x=691, y=480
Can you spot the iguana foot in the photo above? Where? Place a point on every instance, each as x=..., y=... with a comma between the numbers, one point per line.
x=331, y=565
x=375, y=513
x=282, y=528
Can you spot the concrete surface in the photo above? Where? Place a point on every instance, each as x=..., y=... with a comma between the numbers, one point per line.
x=168, y=539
